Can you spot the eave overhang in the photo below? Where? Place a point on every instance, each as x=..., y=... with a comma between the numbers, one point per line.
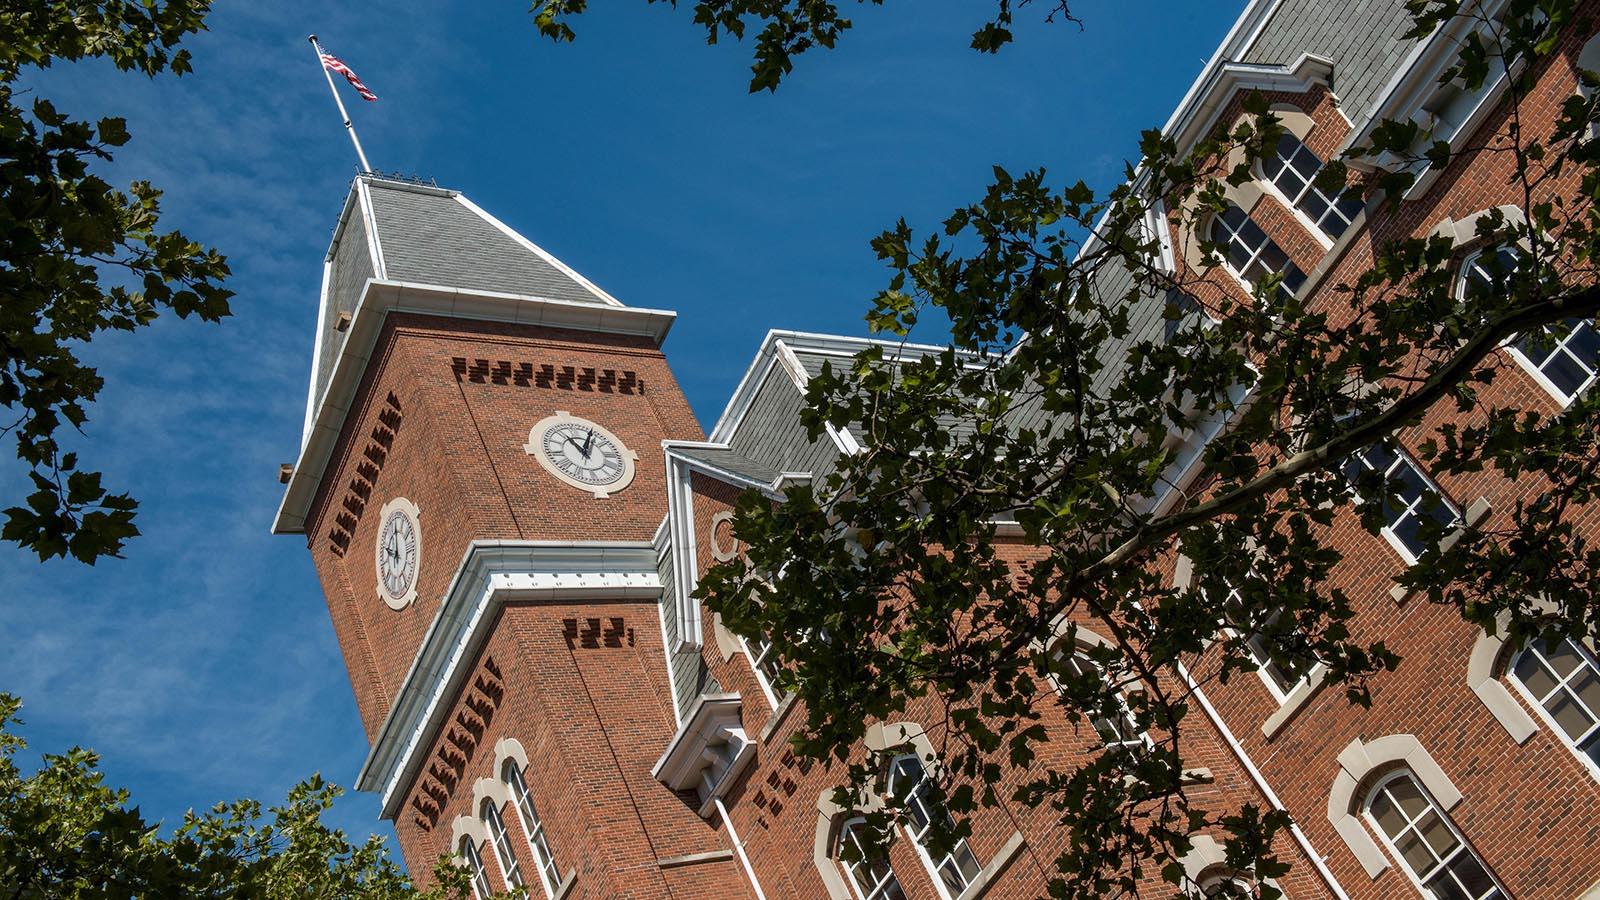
x=380, y=298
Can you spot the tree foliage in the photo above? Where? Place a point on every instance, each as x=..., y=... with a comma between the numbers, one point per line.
x=78, y=257
x=65, y=833
x=882, y=585
x=785, y=29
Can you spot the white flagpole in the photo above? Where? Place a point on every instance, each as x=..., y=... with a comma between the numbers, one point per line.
x=360, y=154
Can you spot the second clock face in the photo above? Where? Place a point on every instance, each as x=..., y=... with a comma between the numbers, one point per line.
x=399, y=552
x=581, y=453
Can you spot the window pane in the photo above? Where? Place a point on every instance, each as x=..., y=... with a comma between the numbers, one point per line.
x=1388, y=815
x=1531, y=671
x=1569, y=715
x=1444, y=887
x=1437, y=834
x=1406, y=793
x=1416, y=852
x=1564, y=372
x=1472, y=875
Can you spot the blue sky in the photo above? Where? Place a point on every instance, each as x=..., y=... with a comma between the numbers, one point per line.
x=203, y=666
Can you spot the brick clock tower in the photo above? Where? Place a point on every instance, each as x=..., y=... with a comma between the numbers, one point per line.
x=481, y=485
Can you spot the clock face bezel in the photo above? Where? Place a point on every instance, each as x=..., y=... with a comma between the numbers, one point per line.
x=403, y=510
x=535, y=447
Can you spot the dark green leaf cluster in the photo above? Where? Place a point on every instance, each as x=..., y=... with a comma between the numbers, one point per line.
x=784, y=29
x=64, y=833
x=78, y=257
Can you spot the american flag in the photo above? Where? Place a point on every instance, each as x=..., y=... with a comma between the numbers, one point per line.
x=334, y=64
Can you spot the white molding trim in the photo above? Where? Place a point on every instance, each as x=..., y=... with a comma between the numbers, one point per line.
x=509, y=748
x=1359, y=761
x=1218, y=85
x=380, y=298
x=490, y=788
x=709, y=751
x=1484, y=668
x=380, y=271
x=469, y=826
x=491, y=574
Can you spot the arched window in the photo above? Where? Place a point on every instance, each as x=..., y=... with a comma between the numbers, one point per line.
x=1562, y=681
x=544, y=860
x=910, y=788
x=1117, y=731
x=501, y=840
x=1426, y=842
x=480, y=878
x=1292, y=168
x=1563, y=357
x=870, y=878
x=1222, y=884
x=1250, y=254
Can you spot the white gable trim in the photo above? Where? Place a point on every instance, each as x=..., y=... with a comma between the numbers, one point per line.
x=374, y=243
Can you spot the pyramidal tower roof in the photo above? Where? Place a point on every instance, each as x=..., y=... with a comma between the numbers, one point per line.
x=406, y=247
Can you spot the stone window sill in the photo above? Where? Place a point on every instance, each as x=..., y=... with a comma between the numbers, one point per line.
x=777, y=717
x=1296, y=700
x=564, y=889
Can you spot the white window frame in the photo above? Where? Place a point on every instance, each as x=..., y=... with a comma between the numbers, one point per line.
x=1462, y=846
x=1255, y=252
x=1075, y=656
x=1463, y=276
x=1538, y=704
x=1292, y=204
x=500, y=840
x=468, y=851
x=929, y=810
x=1401, y=455
x=879, y=890
x=757, y=660
x=544, y=861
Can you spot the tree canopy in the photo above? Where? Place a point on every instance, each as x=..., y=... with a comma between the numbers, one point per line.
x=79, y=257
x=65, y=833
x=883, y=585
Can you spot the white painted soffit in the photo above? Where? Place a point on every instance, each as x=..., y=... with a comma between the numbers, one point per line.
x=491, y=574
x=378, y=300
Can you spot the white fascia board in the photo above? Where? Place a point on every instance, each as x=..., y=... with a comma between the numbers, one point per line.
x=316, y=351
x=491, y=573
x=378, y=299
x=680, y=530
x=539, y=251
x=374, y=243
x=1240, y=38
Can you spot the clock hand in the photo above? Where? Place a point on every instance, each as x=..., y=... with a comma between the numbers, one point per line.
x=588, y=444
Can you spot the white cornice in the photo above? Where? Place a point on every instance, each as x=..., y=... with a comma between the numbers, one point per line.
x=491, y=573
x=1228, y=79
x=378, y=300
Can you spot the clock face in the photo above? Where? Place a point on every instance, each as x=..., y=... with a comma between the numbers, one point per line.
x=399, y=552
x=582, y=454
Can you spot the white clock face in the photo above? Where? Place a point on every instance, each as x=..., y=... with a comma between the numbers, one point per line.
x=399, y=552
x=582, y=454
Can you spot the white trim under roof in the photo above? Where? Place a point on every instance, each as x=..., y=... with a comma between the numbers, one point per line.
x=378, y=299
x=680, y=527
x=491, y=574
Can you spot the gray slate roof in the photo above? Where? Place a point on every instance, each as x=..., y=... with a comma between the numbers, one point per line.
x=731, y=461
x=428, y=236
x=1362, y=37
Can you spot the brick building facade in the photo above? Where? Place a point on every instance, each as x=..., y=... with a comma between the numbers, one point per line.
x=508, y=502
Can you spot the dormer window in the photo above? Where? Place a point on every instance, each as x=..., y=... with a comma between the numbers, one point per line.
x=1251, y=255
x=1292, y=169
